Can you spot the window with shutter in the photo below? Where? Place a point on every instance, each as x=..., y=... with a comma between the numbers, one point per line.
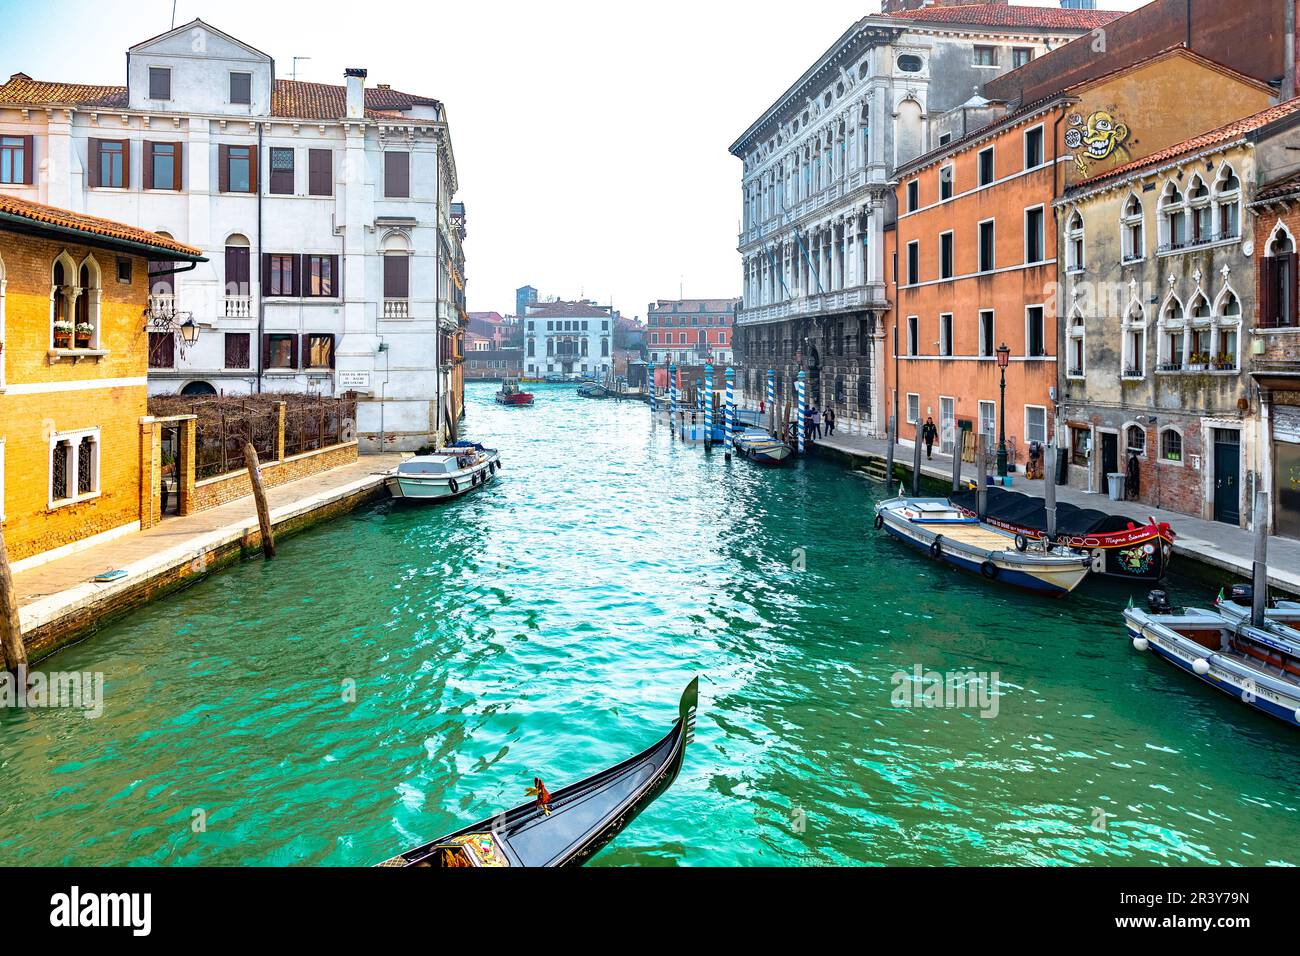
x=397, y=276
x=237, y=270
x=162, y=350
x=281, y=351
x=162, y=166
x=320, y=172
x=160, y=83
x=238, y=173
x=318, y=351
x=112, y=163
x=397, y=174
x=319, y=275
x=237, y=350
x=241, y=88
x=280, y=181
x=15, y=159
x=279, y=274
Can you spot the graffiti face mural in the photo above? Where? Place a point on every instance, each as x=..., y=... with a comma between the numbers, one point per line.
x=1095, y=139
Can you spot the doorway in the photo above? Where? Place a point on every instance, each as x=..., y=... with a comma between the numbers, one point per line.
x=1109, y=455
x=1227, y=476
x=947, y=425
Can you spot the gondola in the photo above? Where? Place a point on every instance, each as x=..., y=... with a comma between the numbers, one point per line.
x=567, y=827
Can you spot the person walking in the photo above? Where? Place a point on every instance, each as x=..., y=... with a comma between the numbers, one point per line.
x=830, y=421
x=929, y=434
x=816, y=422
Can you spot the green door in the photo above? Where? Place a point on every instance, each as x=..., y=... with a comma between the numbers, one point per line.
x=1227, y=475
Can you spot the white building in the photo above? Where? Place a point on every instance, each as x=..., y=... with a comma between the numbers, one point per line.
x=817, y=190
x=568, y=337
x=324, y=211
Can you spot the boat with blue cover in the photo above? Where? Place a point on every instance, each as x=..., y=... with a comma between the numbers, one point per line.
x=757, y=445
x=942, y=530
x=448, y=472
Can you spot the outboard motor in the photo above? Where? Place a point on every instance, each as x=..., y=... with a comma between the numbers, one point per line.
x=1158, y=602
x=1242, y=594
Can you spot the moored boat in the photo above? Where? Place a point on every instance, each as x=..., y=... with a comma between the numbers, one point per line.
x=446, y=473
x=592, y=390
x=757, y=445
x=1255, y=665
x=1120, y=546
x=1280, y=616
x=941, y=529
x=567, y=827
x=511, y=394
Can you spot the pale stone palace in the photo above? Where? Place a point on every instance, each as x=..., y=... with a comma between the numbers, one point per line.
x=818, y=194
x=334, y=249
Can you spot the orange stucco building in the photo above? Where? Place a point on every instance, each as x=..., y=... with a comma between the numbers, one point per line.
x=974, y=250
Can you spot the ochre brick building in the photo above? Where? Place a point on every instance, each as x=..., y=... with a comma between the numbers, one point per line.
x=73, y=295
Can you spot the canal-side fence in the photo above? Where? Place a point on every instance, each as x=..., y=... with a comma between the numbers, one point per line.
x=199, y=443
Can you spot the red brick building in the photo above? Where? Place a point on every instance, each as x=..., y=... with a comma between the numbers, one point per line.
x=691, y=331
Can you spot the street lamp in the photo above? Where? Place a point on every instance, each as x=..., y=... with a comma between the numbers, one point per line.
x=1004, y=359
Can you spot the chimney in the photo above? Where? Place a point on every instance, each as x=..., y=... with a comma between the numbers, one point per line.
x=355, y=77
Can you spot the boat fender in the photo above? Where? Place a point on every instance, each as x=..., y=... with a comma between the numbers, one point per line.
x=1022, y=543
x=936, y=548
x=1201, y=666
x=880, y=521
x=1140, y=644
x=452, y=486
x=989, y=570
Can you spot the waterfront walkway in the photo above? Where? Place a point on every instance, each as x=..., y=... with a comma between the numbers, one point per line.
x=1211, y=542
x=59, y=600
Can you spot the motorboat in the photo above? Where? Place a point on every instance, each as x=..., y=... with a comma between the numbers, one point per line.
x=946, y=533
x=567, y=827
x=1257, y=666
x=757, y=445
x=511, y=394
x=1280, y=616
x=1121, y=547
x=445, y=473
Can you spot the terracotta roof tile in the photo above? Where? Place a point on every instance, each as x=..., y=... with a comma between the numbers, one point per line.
x=291, y=99
x=566, y=310
x=1224, y=134
x=1286, y=187
x=999, y=15
x=39, y=213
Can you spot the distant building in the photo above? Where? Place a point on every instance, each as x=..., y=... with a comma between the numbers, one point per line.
x=691, y=331
x=494, y=363
x=524, y=297
x=486, y=329
x=1079, y=4
x=568, y=337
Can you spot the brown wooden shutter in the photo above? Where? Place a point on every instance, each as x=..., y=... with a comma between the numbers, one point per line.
x=29, y=160
x=126, y=164
x=296, y=263
x=266, y=274
x=336, y=281
x=294, y=357
x=1294, y=291
x=223, y=169
x=264, y=358
x=148, y=164
x=397, y=174
x=320, y=172
x=177, y=178
x=92, y=160
x=252, y=169
x=396, y=277
x=305, y=350
x=333, y=342
x=1267, y=283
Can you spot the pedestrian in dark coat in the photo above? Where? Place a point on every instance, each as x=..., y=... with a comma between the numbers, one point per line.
x=929, y=435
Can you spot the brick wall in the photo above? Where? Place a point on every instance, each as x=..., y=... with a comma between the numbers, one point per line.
x=230, y=487
x=44, y=398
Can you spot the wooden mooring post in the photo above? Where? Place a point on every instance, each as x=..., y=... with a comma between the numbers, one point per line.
x=956, y=462
x=259, y=496
x=891, y=437
x=982, y=476
x=13, y=653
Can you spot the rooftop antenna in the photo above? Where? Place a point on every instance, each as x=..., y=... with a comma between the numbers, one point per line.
x=294, y=73
x=173, y=26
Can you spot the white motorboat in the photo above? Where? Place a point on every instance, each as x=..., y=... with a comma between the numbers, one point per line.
x=1280, y=616
x=942, y=530
x=1255, y=665
x=447, y=473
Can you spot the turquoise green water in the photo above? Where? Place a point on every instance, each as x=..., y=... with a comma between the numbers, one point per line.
x=547, y=625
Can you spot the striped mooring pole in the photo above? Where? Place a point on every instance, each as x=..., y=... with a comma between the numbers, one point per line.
x=672, y=396
x=708, y=405
x=729, y=411
x=803, y=411
x=650, y=377
x=771, y=401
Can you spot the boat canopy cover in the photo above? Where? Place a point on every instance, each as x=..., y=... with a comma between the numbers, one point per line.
x=1014, y=507
x=427, y=465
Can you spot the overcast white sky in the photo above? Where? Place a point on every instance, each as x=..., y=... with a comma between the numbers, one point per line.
x=590, y=136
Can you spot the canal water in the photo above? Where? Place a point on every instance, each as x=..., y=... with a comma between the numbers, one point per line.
x=547, y=626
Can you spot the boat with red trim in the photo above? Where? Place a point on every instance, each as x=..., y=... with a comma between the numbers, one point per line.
x=1121, y=547
x=511, y=394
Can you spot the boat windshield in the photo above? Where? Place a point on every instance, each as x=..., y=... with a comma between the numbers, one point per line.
x=426, y=466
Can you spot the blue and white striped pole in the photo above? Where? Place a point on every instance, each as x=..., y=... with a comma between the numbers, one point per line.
x=803, y=412
x=650, y=378
x=729, y=412
x=672, y=395
x=771, y=400
x=708, y=404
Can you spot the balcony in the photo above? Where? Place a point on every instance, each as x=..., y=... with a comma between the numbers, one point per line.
x=870, y=296
x=397, y=308
x=239, y=306
x=162, y=303
x=1186, y=245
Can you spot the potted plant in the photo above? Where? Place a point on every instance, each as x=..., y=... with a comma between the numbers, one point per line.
x=62, y=334
x=84, y=332
x=1196, y=362
x=1225, y=363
